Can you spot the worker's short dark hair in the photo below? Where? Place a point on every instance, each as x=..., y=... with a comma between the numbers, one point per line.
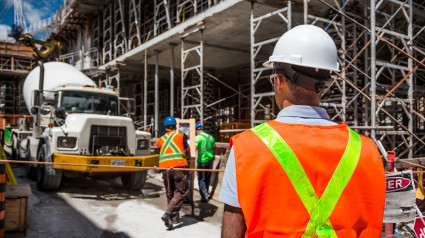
x=318, y=74
x=170, y=127
x=309, y=78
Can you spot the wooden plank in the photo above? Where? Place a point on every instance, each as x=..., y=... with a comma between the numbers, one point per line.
x=18, y=191
x=401, y=163
x=23, y=215
x=13, y=203
x=16, y=214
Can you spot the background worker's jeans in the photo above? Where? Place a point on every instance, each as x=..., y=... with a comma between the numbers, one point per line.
x=204, y=178
x=176, y=187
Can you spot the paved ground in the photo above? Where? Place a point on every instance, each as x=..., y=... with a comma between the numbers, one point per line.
x=86, y=207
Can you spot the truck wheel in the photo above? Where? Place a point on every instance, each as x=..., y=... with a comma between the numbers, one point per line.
x=45, y=180
x=15, y=147
x=134, y=180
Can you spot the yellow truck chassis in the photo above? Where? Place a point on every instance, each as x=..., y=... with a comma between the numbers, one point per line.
x=142, y=161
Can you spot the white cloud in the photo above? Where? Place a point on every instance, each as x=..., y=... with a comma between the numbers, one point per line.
x=3, y=32
x=32, y=13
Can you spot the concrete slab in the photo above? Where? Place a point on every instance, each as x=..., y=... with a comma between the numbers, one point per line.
x=87, y=207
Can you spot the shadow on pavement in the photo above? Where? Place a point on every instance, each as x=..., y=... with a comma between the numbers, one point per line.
x=200, y=212
x=109, y=234
x=97, y=189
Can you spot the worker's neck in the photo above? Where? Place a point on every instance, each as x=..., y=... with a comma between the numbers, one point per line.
x=287, y=103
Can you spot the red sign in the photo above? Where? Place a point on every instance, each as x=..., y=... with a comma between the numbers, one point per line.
x=397, y=183
x=419, y=228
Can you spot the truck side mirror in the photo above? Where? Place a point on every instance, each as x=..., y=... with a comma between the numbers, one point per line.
x=34, y=110
x=60, y=113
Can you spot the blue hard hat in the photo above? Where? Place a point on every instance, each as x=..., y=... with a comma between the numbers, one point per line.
x=170, y=121
x=198, y=126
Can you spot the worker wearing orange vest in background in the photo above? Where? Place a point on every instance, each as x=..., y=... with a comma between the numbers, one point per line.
x=302, y=175
x=174, y=152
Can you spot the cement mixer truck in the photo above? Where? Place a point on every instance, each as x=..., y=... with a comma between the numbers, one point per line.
x=79, y=124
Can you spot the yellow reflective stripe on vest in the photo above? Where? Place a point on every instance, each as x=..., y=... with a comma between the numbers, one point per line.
x=319, y=210
x=177, y=154
x=206, y=143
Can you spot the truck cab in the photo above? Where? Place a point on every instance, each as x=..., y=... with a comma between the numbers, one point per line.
x=80, y=124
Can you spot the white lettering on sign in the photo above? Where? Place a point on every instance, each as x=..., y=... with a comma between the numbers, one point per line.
x=396, y=183
x=419, y=228
x=422, y=234
x=390, y=184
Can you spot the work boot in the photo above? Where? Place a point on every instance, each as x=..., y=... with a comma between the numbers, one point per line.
x=204, y=199
x=176, y=219
x=166, y=218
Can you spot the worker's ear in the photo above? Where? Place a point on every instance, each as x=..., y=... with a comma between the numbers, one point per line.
x=280, y=82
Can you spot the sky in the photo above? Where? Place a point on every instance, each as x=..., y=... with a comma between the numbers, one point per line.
x=34, y=11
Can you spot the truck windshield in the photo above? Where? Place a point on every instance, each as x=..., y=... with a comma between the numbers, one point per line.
x=94, y=103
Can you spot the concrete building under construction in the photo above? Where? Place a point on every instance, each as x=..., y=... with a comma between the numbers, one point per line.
x=203, y=59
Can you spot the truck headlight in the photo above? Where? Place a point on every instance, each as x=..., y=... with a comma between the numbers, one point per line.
x=142, y=144
x=66, y=142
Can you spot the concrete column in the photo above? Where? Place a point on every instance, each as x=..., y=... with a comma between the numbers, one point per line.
x=145, y=92
x=172, y=79
x=156, y=95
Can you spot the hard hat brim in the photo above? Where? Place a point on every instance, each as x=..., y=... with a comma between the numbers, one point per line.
x=278, y=65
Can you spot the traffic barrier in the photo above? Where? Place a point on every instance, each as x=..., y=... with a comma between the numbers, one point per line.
x=2, y=196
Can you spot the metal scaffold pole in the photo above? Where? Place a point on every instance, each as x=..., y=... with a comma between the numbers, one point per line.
x=410, y=80
x=192, y=76
x=372, y=68
x=263, y=100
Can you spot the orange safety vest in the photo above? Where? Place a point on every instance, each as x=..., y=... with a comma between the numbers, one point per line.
x=172, y=150
x=270, y=202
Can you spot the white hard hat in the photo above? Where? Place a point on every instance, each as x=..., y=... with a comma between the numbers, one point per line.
x=305, y=45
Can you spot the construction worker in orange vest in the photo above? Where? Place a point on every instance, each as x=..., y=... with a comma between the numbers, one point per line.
x=302, y=175
x=174, y=152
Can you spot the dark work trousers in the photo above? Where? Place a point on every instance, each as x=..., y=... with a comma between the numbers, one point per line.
x=204, y=178
x=176, y=187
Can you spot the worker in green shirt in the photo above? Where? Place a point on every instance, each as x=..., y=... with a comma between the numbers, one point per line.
x=205, y=144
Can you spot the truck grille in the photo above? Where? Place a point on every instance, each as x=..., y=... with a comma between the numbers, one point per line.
x=107, y=138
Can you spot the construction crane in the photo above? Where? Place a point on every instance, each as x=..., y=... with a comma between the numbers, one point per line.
x=19, y=25
x=48, y=46
x=19, y=15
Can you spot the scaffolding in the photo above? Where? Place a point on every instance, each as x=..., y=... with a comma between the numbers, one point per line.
x=192, y=78
x=380, y=90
